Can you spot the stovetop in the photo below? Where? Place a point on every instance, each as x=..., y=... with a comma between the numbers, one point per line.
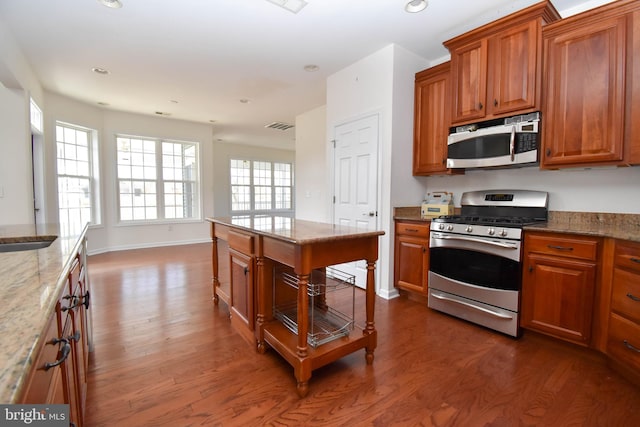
x=496, y=221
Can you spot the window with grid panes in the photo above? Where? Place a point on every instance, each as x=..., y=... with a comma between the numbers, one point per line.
x=261, y=186
x=157, y=179
x=77, y=171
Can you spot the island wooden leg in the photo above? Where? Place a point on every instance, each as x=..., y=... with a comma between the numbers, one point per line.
x=303, y=315
x=261, y=308
x=370, y=309
x=215, y=283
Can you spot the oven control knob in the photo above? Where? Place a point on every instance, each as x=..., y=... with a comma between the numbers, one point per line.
x=469, y=229
x=441, y=226
x=491, y=231
x=450, y=227
x=503, y=232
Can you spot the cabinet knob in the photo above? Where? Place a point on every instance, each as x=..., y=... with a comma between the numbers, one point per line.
x=548, y=151
x=480, y=106
x=530, y=269
x=495, y=102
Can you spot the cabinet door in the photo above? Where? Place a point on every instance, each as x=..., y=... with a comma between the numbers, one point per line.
x=557, y=297
x=469, y=81
x=412, y=264
x=242, y=306
x=514, y=69
x=632, y=137
x=584, y=89
x=44, y=385
x=431, y=120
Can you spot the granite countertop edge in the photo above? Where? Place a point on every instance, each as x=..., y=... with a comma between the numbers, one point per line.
x=35, y=278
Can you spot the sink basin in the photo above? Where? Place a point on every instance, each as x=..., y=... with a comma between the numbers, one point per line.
x=25, y=246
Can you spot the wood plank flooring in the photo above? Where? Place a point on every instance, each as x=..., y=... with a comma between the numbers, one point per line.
x=166, y=356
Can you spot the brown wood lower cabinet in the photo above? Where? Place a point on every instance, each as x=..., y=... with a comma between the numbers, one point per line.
x=558, y=285
x=411, y=265
x=623, y=339
x=59, y=374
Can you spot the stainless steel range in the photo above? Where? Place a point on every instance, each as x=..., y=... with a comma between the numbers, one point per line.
x=475, y=268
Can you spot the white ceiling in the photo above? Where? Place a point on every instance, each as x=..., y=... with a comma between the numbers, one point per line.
x=209, y=54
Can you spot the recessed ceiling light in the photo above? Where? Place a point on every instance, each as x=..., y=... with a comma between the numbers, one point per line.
x=244, y=101
x=162, y=113
x=173, y=101
x=212, y=121
x=415, y=6
x=99, y=70
x=113, y=4
x=103, y=104
x=311, y=68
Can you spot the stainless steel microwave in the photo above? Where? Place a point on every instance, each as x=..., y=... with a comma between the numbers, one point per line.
x=512, y=141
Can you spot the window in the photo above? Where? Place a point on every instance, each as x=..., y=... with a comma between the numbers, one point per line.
x=157, y=179
x=261, y=186
x=77, y=177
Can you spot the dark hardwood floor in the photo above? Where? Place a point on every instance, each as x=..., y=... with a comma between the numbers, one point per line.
x=166, y=356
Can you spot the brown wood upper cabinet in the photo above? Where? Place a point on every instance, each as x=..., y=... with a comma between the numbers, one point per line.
x=496, y=69
x=591, y=91
x=431, y=120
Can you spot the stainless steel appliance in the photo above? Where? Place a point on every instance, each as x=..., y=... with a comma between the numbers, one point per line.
x=512, y=141
x=475, y=270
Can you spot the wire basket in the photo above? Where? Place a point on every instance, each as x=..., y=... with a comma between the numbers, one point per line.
x=328, y=289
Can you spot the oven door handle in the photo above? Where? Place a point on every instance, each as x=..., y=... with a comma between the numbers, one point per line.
x=466, y=304
x=472, y=239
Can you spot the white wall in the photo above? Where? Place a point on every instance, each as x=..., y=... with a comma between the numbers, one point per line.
x=615, y=190
x=381, y=83
x=313, y=199
x=17, y=85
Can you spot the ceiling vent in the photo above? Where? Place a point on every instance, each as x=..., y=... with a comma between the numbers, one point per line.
x=294, y=6
x=279, y=126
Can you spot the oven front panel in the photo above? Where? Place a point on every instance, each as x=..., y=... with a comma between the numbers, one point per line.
x=495, y=309
x=476, y=268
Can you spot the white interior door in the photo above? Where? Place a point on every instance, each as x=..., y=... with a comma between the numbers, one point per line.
x=356, y=181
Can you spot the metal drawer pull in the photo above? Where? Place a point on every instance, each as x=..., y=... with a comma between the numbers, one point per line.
x=493, y=313
x=630, y=347
x=636, y=260
x=66, y=349
x=633, y=297
x=560, y=248
x=411, y=230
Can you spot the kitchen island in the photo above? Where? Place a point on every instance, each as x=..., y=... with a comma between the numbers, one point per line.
x=269, y=244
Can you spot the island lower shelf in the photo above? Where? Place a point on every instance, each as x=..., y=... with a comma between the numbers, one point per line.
x=285, y=342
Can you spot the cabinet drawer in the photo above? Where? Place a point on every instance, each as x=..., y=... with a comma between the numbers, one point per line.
x=566, y=246
x=412, y=229
x=625, y=296
x=42, y=384
x=627, y=255
x=624, y=341
x=242, y=243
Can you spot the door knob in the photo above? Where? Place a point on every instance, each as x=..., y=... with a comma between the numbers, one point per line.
x=372, y=213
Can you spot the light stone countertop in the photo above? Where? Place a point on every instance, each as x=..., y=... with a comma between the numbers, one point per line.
x=614, y=225
x=30, y=283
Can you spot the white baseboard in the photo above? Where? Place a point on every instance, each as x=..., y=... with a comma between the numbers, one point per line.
x=145, y=246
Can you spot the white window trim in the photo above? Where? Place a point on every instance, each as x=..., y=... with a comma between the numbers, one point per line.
x=285, y=212
x=160, y=203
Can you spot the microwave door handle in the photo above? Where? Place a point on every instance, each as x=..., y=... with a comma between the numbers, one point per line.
x=512, y=143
